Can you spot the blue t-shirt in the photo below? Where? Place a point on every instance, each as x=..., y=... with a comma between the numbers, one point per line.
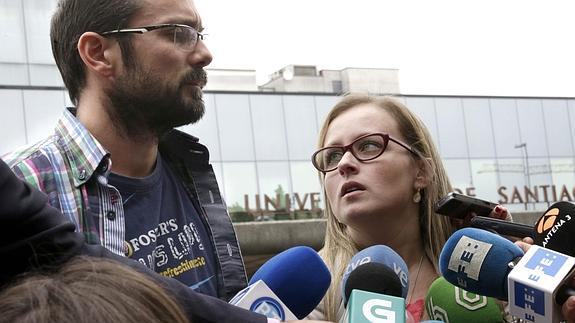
x=164, y=230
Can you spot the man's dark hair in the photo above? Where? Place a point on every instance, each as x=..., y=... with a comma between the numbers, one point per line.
x=75, y=17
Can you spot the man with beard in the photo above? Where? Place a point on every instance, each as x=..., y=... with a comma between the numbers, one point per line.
x=115, y=166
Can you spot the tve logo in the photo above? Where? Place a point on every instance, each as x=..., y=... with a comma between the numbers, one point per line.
x=269, y=307
x=546, y=262
x=529, y=298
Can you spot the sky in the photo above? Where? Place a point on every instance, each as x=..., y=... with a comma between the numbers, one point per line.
x=460, y=47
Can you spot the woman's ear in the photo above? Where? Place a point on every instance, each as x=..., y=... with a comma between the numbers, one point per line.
x=97, y=53
x=424, y=173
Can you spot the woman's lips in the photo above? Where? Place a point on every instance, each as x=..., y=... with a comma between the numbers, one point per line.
x=350, y=188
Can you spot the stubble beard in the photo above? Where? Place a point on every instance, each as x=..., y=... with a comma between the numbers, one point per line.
x=143, y=106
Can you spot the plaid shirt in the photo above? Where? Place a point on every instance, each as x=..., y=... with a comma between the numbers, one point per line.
x=72, y=168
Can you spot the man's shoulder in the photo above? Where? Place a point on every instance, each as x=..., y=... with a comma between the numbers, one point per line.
x=31, y=161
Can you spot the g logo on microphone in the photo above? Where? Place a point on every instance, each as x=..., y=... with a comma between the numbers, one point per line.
x=269, y=307
x=378, y=311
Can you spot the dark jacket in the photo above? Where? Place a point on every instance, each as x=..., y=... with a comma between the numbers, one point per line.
x=72, y=167
x=35, y=235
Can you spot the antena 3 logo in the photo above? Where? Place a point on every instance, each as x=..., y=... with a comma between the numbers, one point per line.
x=269, y=307
x=547, y=220
x=551, y=222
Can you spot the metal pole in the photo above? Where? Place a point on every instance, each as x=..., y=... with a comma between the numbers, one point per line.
x=527, y=171
x=526, y=175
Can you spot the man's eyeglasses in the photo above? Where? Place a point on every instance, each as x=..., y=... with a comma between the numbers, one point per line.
x=364, y=148
x=184, y=36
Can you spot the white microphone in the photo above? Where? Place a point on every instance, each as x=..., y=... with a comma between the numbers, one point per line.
x=534, y=282
x=259, y=298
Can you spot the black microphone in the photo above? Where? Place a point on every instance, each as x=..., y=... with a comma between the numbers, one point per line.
x=374, y=287
x=555, y=229
x=373, y=277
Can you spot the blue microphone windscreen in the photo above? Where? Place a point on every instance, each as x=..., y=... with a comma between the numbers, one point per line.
x=379, y=254
x=477, y=261
x=298, y=276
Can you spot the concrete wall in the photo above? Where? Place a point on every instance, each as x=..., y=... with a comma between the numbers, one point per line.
x=258, y=238
x=260, y=241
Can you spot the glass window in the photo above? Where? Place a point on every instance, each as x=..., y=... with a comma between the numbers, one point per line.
x=240, y=189
x=424, y=108
x=478, y=127
x=38, y=15
x=571, y=112
x=505, y=128
x=323, y=105
x=539, y=177
x=43, y=109
x=563, y=176
x=275, y=189
x=307, y=198
x=301, y=126
x=557, y=128
x=13, y=74
x=12, y=125
x=235, y=127
x=206, y=129
x=519, y=186
x=12, y=32
x=459, y=174
x=47, y=75
x=485, y=180
x=532, y=127
x=451, y=128
x=269, y=128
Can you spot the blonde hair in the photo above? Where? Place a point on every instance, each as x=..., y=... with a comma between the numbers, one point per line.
x=85, y=290
x=436, y=229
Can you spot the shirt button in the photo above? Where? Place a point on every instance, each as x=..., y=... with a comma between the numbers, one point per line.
x=82, y=175
x=111, y=215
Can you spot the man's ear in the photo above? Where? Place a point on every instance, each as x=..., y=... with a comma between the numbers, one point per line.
x=424, y=173
x=98, y=53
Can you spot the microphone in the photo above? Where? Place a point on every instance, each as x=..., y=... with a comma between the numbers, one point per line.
x=478, y=261
x=367, y=289
x=378, y=254
x=450, y=303
x=556, y=227
x=374, y=286
x=288, y=286
x=373, y=277
x=535, y=284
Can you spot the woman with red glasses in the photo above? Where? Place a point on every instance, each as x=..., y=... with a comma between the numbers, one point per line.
x=381, y=176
